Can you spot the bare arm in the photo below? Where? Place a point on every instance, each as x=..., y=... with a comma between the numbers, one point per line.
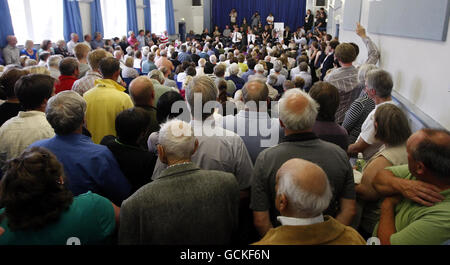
x=386, y=227
x=365, y=190
x=357, y=147
x=262, y=223
x=116, y=214
x=386, y=183
x=347, y=212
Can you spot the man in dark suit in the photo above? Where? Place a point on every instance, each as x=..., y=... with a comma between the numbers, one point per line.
x=328, y=63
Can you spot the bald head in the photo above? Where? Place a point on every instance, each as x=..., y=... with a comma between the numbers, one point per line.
x=298, y=111
x=429, y=154
x=142, y=92
x=303, y=189
x=255, y=91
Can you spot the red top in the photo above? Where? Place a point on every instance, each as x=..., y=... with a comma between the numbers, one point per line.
x=65, y=82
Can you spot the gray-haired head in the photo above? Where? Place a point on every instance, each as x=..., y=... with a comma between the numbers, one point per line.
x=53, y=61
x=363, y=70
x=303, y=189
x=202, y=62
x=222, y=58
x=213, y=59
x=272, y=79
x=255, y=91
x=65, y=112
x=234, y=69
x=259, y=68
x=204, y=86
x=277, y=66
x=177, y=139
x=163, y=53
x=298, y=111
x=157, y=75
x=381, y=82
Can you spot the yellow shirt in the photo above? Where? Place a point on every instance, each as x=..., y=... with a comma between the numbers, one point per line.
x=104, y=102
x=243, y=67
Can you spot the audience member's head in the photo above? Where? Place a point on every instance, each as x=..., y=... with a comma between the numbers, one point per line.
x=288, y=84
x=165, y=104
x=94, y=58
x=429, y=155
x=129, y=62
x=379, y=84
x=53, y=61
x=81, y=51
x=43, y=56
x=65, y=112
x=34, y=90
x=299, y=82
x=8, y=80
x=277, y=66
x=391, y=125
x=327, y=96
x=255, y=92
x=131, y=125
x=38, y=172
x=363, y=70
x=205, y=87
x=345, y=53
x=69, y=67
x=219, y=70
x=157, y=75
x=298, y=111
x=302, y=189
x=110, y=68
x=176, y=142
x=234, y=69
x=142, y=92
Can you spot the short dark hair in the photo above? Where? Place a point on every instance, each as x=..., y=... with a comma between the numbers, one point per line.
x=345, y=52
x=68, y=66
x=251, y=63
x=356, y=48
x=327, y=96
x=9, y=79
x=299, y=82
x=435, y=156
x=303, y=66
x=32, y=90
x=131, y=124
x=164, y=106
x=43, y=56
x=334, y=44
x=392, y=125
x=36, y=171
x=174, y=55
x=109, y=66
x=191, y=71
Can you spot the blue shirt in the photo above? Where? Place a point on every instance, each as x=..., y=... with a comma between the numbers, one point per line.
x=95, y=44
x=88, y=166
x=148, y=66
x=184, y=57
x=31, y=56
x=247, y=74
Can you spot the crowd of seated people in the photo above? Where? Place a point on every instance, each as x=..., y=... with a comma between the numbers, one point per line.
x=238, y=136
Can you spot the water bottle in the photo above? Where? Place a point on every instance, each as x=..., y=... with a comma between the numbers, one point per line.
x=360, y=162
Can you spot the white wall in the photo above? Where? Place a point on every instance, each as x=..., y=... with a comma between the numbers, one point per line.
x=419, y=68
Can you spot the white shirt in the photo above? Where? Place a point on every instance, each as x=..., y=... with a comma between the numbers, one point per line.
x=251, y=38
x=19, y=132
x=237, y=37
x=270, y=20
x=284, y=220
x=368, y=133
x=70, y=46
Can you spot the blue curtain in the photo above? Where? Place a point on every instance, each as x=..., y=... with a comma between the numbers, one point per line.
x=72, y=19
x=170, y=18
x=131, y=16
x=6, y=27
x=96, y=17
x=148, y=15
x=291, y=12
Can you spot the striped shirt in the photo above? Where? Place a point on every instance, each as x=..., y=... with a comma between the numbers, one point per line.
x=345, y=79
x=82, y=85
x=356, y=115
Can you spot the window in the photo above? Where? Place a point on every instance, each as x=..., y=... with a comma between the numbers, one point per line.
x=37, y=20
x=158, y=8
x=114, y=14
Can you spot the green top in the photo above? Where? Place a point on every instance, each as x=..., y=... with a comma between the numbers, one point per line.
x=90, y=218
x=417, y=224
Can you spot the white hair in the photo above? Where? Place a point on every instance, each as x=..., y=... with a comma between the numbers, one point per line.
x=301, y=200
x=53, y=61
x=145, y=51
x=222, y=58
x=259, y=68
x=157, y=75
x=129, y=49
x=234, y=69
x=363, y=70
x=177, y=138
x=294, y=120
x=277, y=66
x=202, y=62
x=213, y=59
